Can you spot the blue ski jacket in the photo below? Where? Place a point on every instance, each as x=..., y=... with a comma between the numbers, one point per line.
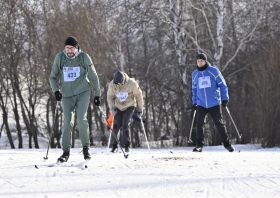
x=208, y=87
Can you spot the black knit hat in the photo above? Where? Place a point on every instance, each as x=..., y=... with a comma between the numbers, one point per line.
x=119, y=77
x=202, y=56
x=71, y=41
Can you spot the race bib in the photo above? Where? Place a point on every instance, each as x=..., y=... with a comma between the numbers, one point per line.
x=122, y=96
x=71, y=73
x=204, y=82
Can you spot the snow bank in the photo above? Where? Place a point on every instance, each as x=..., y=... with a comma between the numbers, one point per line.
x=176, y=172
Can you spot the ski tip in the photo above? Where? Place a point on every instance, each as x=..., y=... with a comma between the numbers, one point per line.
x=36, y=166
x=171, y=152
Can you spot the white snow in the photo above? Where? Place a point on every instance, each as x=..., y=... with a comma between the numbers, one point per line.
x=253, y=172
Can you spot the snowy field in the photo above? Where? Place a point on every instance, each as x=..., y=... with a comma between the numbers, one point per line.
x=252, y=172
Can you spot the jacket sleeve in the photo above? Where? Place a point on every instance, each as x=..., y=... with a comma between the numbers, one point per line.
x=111, y=96
x=54, y=73
x=92, y=75
x=138, y=95
x=194, y=90
x=223, y=86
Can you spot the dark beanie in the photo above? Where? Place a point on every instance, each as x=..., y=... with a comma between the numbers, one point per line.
x=202, y=56
x=119, y=77
x=71, y=41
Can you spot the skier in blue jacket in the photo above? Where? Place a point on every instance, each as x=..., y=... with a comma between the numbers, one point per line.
x=209, y=91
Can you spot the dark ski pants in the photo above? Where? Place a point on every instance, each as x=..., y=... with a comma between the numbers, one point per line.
x=122, y=120
x=120, y=139
x=216, y=114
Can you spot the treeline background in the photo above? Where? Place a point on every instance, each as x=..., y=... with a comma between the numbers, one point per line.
x=155, y=42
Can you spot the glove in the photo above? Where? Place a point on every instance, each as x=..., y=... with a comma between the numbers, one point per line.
x=114, y=111
x=58, y=96
x=140, y=113
x=225, y=103
x=195, y=107
x=97, y=100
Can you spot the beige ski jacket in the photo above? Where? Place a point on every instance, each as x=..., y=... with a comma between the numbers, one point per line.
x=125, y=96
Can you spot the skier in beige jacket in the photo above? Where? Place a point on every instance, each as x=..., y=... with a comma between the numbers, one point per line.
x=124, y=95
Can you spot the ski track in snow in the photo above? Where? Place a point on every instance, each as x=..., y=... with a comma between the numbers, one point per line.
x=253, y=172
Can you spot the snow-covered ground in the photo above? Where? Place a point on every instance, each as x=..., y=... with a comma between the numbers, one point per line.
x=253, y=172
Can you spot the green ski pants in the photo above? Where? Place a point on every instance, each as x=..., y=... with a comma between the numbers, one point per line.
x=79, y=102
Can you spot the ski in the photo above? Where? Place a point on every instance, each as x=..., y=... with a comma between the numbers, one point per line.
x=82, y=165
x=49, y=165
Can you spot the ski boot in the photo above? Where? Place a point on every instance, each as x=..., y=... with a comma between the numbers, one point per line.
x=64, y=157
x=127, y=148
x=198, y=149
x=115, y=148
x=86, y=153
x=230, y=148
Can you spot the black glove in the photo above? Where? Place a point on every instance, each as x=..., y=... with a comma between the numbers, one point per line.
x=58, y=96
x=225, y=103
x=97, y=100
x=139, y=113
x=195, y=107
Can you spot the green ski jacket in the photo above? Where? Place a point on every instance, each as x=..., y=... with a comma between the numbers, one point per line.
x=75, y=76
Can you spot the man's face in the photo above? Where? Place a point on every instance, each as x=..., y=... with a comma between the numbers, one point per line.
x=200, y=62
x=70, y=50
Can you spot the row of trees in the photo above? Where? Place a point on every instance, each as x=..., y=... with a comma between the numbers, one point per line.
x=156, y=43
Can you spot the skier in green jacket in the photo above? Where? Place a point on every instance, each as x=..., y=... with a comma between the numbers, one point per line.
x=77, y=71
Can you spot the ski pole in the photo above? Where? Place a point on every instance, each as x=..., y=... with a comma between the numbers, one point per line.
x=50, y=135
x=190, y=141
x=239, y=135
x=126, y=156
x=110, y=135
x=145, y=135
x=109, y=141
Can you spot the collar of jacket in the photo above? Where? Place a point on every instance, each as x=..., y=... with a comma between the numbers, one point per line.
x=203, y=68
x=126, y=79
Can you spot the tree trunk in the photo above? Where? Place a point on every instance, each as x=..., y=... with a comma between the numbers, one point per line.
x=5, y=121
x=26, y=122
x=35, y=136
x=17, y=118
x=180, y=39
x=220, y=31
x=48, y=118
